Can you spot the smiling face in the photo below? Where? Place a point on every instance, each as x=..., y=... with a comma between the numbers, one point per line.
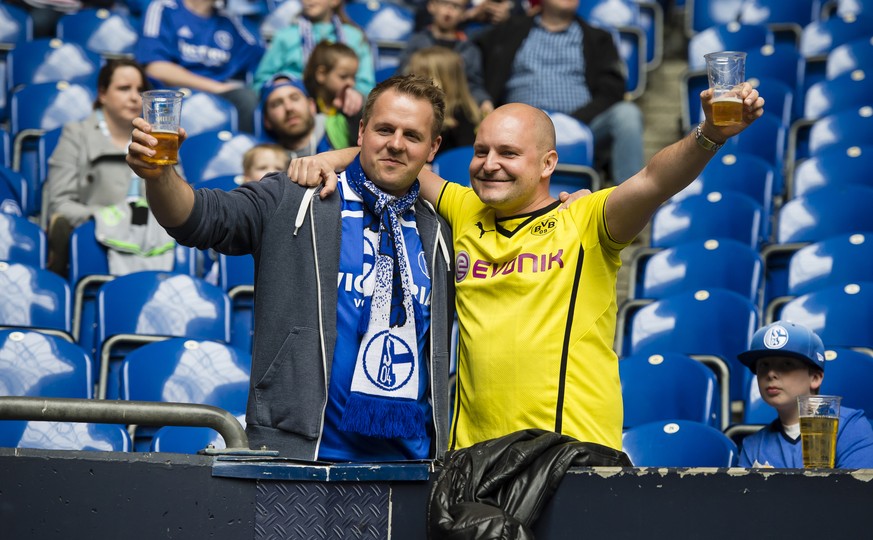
x=513, y=159
x=397, y=140
x=781, y=379
x=121, y=100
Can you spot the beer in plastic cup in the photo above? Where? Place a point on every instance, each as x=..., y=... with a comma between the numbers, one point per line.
x=163, y=110
x=819, y=420
x=726, y=71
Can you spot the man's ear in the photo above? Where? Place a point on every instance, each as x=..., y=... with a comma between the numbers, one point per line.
x=816, y=378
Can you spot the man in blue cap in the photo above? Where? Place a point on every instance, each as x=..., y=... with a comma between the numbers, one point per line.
x=789, y=360
x=290, y=117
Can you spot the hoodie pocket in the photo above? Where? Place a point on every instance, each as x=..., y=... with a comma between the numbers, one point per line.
x=291, y=394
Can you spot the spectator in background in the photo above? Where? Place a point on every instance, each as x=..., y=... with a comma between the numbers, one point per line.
x=290, y=117
x=329, y=78
x=557, y=62
x=87, y=172
x=319, y=20
x=446, y=69
x=445, y=30
x=262, y=159
x=192, y=44
x=788, y=361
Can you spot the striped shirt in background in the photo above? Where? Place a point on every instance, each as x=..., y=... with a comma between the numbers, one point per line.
x=549, y=70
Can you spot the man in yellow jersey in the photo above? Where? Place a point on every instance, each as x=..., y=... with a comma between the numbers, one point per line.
x=535, y=287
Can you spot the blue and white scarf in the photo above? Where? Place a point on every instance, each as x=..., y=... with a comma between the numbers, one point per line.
x=377, y=405
x=304, y=26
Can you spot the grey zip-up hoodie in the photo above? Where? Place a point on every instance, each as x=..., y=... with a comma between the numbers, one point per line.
x=296, y=268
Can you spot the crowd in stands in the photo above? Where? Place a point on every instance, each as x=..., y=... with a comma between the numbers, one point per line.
x=791, y=181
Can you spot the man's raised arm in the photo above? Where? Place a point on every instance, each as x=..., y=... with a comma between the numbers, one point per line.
x=170, y=198
x=632, y=204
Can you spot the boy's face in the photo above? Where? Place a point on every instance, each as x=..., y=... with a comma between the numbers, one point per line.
x=781, y=379
x=263, y=162
x=447, y=14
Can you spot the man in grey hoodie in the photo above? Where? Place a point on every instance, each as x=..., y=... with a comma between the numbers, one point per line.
x=353, y=292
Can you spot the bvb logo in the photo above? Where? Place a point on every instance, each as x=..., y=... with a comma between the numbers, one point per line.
x=544, y=227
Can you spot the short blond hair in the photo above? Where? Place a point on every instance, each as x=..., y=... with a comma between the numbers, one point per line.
x=249, y=156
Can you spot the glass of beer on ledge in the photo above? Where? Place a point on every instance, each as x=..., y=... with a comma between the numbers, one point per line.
x=819, y=420
x=163, y=110
x=726, y=71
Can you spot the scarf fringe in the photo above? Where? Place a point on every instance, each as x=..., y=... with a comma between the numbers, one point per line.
x=384, y=418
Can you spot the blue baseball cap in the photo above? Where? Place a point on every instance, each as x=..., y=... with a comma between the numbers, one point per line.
x=785, y=338
x=278, y=81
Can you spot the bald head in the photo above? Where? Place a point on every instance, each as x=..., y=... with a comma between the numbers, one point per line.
x=529, y=120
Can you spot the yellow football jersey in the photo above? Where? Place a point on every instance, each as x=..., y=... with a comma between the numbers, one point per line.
x=536, y=308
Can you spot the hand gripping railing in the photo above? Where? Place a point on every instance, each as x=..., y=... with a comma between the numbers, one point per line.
x=146, y=413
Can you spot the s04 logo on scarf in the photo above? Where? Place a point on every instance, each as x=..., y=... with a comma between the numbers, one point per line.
x=388, y=361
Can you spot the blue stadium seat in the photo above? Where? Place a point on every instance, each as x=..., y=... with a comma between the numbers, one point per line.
x=845, y=58
x=5, y=144
x=713, y=325
x=64, y=436
x=849, y=373
x=838, y=260
x=107, y=33
x=787, y=19
x=847, y=91
x=702, y=264
x=628, y=16
x=743, y=173
x=16, y=26
x=781, y=61
x=671, y=386
x=820, y=37
x=14, y=193
x=22, y=241
x=714, y=215
x=36, y=364
x=765, y=138
x=778, y=96
x=185, y=440
x=202, y=112
x=35, y=298
x=151, y=306
x=678, y=443
x=181, y=370
x=387, y=26
x=575, y=147
x=36, y=109
x=825, y=213
x=237, y=278
x=831, y=168
x=454, y=164
x=224, y=183
x=732, y=36
x=853, y=7
x=89, y=269
x=50, y=60
x=702, y=14
x=214, y=153
x=842, y=315
x=846, y=129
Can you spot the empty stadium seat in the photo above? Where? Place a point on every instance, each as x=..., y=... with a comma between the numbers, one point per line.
x=702, y=14
x=151, y=306
x=845, y=58
x=847, y=91
x=742, y=173
x=575, y=146
x=387, y=26
x=50, y=60
x=64, y=436
x=712, y=324
x=841, y=315
x=732, y=36
x=237, y=278
x=454, y=164
x=211, y=154
x=822, y=36
x=714, y=215
x=846, y=129
x=678, y=443
x=833, y=168
x=35, y=298
x=35, y=364
x=202, y=112
x=107, y=33
x=785, y=18
x=22, y=241
x=671, y=386
x=825, y=213
x=16, y=26
x=849, y=373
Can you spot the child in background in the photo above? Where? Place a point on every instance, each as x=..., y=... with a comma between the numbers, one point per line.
x=329, y=77
x=445, y=67
x=445, y=30
x=262, y=159
x=788, y=361
x=319, y=20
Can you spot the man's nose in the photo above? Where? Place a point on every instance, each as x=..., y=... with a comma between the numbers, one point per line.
x=395, y=142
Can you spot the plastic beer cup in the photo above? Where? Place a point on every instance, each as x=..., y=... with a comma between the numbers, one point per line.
x=819, y=420
x=726, y=71
x=163, y=110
